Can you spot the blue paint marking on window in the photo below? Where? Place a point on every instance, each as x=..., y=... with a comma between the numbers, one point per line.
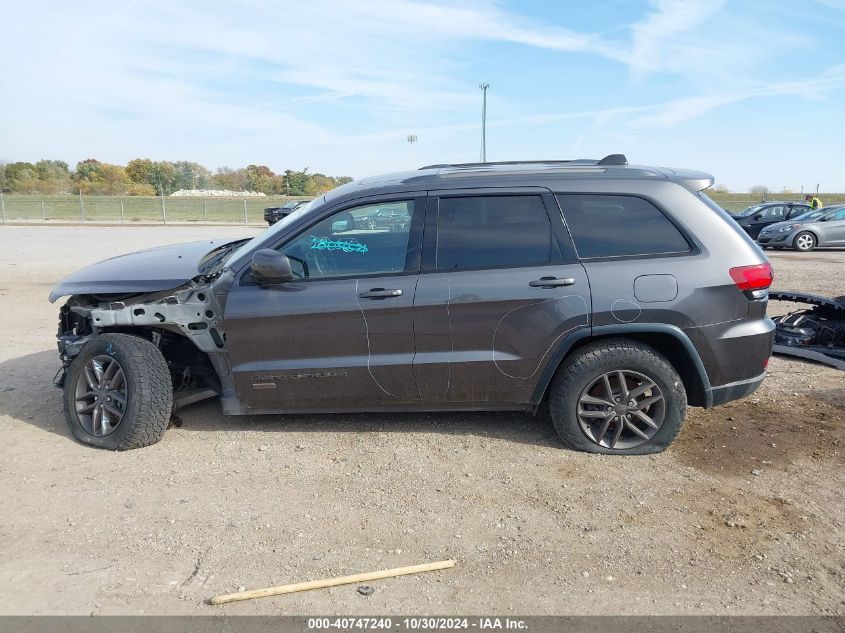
x=325, y=244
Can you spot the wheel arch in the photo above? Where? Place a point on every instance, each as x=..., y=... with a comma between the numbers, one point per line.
x=176, y=347
x=810, y=231
x=667, y=339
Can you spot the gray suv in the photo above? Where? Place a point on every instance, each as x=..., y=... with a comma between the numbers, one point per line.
x=616, y=294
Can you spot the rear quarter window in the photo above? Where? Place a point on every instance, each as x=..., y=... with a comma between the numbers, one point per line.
x=619, y=226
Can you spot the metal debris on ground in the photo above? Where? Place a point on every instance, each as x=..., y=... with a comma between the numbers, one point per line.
x=816, y=333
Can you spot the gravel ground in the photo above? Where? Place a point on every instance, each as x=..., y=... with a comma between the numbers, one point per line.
x=742, y=515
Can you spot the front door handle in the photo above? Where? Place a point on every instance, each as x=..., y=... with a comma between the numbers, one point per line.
x=551, y=282
x=381, y=293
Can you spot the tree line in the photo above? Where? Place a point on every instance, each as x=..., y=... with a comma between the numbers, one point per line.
x=145, y=177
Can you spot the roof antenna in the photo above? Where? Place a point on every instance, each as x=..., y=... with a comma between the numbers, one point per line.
x=613, y=159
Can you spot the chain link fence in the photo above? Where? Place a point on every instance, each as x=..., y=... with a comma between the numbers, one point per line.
x=70, y=209
x=137, y=210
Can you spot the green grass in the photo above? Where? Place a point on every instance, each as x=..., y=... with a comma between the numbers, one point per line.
x=137, y=209
x=739, y=201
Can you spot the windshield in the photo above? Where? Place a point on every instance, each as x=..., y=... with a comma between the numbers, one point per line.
x=272, y=230
x=291, y=204
x=749, y=210
x=810, y=215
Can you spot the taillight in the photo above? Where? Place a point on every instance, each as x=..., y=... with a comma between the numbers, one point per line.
x=756, y=277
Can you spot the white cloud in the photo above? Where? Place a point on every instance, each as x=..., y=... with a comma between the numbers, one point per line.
x=237, y=83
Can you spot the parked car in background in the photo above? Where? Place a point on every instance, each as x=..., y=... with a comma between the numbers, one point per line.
x=756, y=217
x=823, y=227
x=393, y=218
x=617, y=294
x=274, y=214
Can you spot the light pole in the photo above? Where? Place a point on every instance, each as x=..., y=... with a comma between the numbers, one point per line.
x=484, y=85
x=412, y=138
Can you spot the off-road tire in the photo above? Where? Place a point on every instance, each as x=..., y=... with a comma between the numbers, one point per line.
x=803, y=235
x=149, y=392
x=590, y=362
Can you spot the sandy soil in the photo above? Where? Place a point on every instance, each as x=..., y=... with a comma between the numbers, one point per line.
x=742, y=515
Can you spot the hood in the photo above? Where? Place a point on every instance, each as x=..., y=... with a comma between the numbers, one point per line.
x=151, y=270
x=773, y=228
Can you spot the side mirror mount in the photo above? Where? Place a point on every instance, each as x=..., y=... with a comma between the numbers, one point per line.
x=270, y=268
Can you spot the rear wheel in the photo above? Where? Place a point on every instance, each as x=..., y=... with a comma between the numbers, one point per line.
x=118, y=393
x=804, y=241
x=617, y=397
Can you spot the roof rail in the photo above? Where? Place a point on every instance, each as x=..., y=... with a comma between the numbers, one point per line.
x=611, y=159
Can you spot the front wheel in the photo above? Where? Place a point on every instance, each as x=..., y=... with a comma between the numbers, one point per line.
x=617, y=397
x=118, y=393
x=804, y=242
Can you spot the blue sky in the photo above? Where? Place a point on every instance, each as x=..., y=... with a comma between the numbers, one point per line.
x=751, y=91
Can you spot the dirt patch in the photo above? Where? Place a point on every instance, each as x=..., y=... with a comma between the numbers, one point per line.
x=763, y=431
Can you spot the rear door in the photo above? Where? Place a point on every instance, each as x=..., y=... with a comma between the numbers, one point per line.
x=499, y=290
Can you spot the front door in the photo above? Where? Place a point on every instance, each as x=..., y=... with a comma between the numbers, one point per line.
x=834, y=228
x=500, y=292
x=340, y=336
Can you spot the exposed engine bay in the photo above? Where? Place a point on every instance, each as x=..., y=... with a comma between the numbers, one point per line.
x=816, y=333
x=185, y=324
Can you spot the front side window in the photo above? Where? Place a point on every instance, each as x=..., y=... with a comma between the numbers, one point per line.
x=371, y=239
x=492, y=232
x=617, y=226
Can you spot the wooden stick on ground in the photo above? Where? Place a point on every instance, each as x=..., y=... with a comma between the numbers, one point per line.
x=331, y=582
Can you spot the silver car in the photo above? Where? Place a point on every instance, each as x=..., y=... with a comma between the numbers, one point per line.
x=822, y=227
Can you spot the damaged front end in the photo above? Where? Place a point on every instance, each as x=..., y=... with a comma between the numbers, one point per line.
x=185, y=324
x=816, y=333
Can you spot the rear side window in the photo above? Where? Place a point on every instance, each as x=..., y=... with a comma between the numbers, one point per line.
x=492, y=232
x=617, y=226
x=771, y=212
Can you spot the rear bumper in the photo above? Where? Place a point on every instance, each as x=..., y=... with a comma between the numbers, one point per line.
x=733, y=391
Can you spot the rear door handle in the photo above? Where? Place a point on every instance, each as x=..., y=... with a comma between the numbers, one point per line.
x=381, y=293
x=551, y=282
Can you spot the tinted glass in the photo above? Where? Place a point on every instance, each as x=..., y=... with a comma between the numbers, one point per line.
x=613, y=226
x=366, y=240
x=749, y=210
x=839, y=215
x=492, y=232
x=771, y=212
x=797, y=210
